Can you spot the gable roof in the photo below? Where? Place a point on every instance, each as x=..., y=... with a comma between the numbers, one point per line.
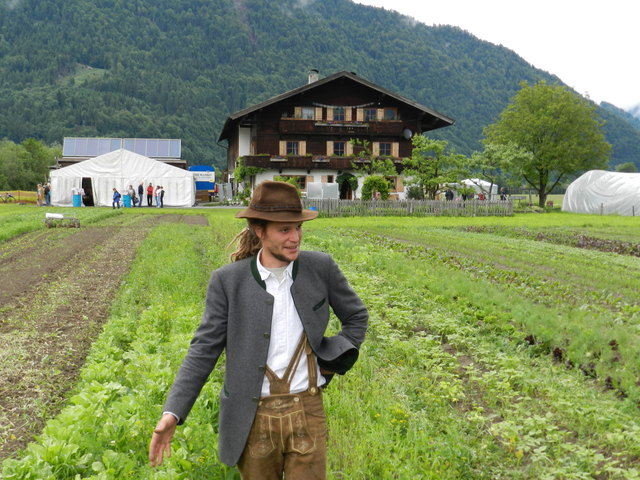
x=120, y=164
x=440, y=120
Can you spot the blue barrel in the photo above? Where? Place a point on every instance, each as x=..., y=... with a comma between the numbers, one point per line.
x=77, y=201
x=126, y=201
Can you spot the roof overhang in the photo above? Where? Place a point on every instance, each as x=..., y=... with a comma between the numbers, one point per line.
x=437, y=120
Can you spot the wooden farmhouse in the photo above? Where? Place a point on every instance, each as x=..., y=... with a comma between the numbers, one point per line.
x=307, y=132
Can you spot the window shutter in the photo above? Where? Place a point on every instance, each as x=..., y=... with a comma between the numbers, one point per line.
x=360, y=115
x=329, y=147
x=380, y=114
x=283, y=147
x=325, y=179
x=329, y=114
x=348, y=147
x=297, y=112
x=375, y=150
x=395, y=149
x=318, y=113
x=399, y=185
x=302, y=147
x=309, y=179
x=348, y=114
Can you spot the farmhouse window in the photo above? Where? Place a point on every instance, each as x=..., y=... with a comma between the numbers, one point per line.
x=293, y=148
x=370, y=114
x=308, y=113
x=384, y=149
x=338, y=114
x=301, y=180
x=390, y=114
x=290, y=147
x=339, y=148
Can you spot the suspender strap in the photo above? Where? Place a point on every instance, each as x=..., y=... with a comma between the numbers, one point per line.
x=282, y=385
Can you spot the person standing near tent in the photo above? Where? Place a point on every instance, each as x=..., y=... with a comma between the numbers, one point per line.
x=116, y=198
x=150, y=195
x=269, y=310
x=140, y=194
x=157, y=195
x=161, y=196
x=132, y=195
x=47, y=194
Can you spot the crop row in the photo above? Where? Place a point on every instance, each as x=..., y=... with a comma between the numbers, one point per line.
x=16, y=220
x=445, y=386
x=548, y=422
x=103, y=432
x=590, y=328
x=579, y=240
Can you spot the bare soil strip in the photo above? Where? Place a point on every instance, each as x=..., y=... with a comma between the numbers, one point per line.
x=57, y=287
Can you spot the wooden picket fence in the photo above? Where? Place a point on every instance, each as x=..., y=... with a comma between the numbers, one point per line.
x=410, y=208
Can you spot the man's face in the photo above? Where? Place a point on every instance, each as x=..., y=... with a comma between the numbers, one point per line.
x=280, y=243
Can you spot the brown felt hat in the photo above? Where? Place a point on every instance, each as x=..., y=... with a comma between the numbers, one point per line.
x=276, y=202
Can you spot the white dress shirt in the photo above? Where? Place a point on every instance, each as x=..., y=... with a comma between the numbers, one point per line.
x=286, y=329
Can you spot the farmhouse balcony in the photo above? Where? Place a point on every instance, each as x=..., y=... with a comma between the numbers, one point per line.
x=324, y=127
x=307, y=162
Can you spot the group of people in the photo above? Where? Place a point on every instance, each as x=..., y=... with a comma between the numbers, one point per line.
x=44, y=194
x=156, y=193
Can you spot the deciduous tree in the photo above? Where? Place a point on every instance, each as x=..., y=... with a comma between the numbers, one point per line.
x=496, y=162
x=559, y=128
x=431, y=166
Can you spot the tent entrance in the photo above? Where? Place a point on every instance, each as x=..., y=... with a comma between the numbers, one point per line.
x=87, y=185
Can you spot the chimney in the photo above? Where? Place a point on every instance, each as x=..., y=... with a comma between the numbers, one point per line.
x=313, y=75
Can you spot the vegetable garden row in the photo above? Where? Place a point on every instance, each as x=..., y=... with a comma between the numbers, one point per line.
x=499, y=348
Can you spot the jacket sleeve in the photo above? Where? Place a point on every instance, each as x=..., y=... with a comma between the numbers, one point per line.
x=354, y=318
x=204, y=351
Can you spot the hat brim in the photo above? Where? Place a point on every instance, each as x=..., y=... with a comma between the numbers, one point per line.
x=278, y=216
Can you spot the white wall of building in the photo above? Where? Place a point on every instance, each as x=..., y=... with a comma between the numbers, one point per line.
x=244, y=142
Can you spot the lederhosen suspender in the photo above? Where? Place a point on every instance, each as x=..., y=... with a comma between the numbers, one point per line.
x=282, y=385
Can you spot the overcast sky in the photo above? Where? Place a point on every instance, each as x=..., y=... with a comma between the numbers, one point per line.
x=591, y=45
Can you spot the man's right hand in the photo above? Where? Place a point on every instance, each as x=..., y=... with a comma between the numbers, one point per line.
x=161, y=439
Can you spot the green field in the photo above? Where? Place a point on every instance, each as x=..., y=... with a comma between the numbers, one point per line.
x=498, y=348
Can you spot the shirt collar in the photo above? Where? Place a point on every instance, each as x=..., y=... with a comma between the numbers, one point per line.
x=264, y=273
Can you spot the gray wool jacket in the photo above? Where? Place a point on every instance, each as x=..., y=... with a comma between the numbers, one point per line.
x=237, y=318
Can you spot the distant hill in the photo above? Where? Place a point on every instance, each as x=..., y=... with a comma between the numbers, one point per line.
x=178, y=68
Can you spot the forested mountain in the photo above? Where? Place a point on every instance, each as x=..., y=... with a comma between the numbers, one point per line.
x=178, y=68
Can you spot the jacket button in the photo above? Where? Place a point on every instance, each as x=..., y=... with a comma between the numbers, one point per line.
x=266, y=335
x=255, y=399
x=262, y=368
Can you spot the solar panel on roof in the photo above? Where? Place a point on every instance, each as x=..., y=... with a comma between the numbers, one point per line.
x=149, y=147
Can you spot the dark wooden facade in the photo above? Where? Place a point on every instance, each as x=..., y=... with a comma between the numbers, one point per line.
x=310, y=128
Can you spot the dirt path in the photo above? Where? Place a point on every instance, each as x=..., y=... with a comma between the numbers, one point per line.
x=57, y=287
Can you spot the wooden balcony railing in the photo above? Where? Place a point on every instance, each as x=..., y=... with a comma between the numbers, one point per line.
x=307, y=162
x=323, y=127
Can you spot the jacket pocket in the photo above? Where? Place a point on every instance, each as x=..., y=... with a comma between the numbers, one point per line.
x=319, y=304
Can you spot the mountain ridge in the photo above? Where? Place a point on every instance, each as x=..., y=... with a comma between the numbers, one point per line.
x=178, y=68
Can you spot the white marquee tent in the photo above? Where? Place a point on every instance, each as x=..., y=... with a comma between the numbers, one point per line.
x=481, y=186
x=601, y=192
x=120, y=169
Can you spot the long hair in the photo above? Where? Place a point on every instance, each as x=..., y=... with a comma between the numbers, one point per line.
x=248, y=242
